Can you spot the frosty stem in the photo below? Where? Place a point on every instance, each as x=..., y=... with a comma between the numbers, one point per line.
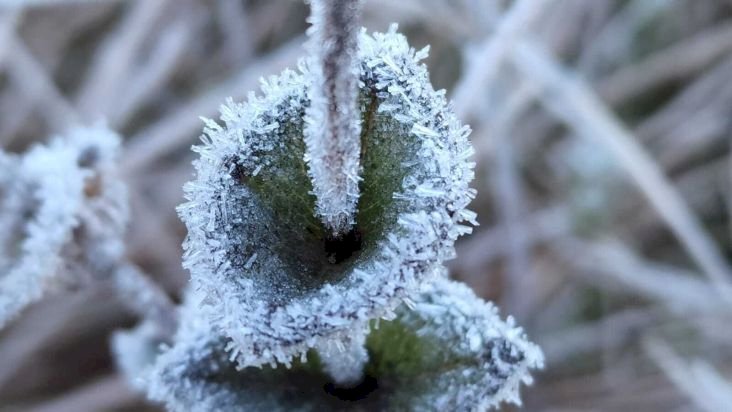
x=333, y=129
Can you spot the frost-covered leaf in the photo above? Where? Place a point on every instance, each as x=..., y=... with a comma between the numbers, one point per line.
x=62, y=213
x=275, y=281
x=197, y=375
x=452, y=352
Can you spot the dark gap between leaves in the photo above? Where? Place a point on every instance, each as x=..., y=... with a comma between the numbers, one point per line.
x=359, y=392
x=341, y=247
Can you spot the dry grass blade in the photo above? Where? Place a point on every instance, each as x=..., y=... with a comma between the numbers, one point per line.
x=31, y=77
x=102, y=394
x=177, y=129
x=512, y=204
x=488, y=245
x=613, y=331
x=148, y=81
x=573, y=101
x=670, y=64
x=699, y=381
x=677, y=289
x=488, y=60
x=107, y=74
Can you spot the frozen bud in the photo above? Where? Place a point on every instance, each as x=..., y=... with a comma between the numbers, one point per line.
x=62, y=212
x=277, y=281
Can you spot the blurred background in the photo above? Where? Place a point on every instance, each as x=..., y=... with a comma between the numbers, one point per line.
x=602, y=131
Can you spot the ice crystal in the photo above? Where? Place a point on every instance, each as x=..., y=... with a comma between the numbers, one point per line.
x=452, y=352
x=332, y=123
x=62, y=212
x=275, y=281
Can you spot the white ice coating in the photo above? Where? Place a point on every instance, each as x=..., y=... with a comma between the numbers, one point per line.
x=333, y=119
x=60, y=215
x=265, y=327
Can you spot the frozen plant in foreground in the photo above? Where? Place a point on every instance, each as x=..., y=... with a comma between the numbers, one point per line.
x=274, y=286
x=318, y=209
x=451, y=352
x=278, y=283
x=62, y=212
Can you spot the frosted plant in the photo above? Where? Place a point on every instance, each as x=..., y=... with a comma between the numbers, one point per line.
x=62, y=213
x=333, y=124
x=317, y=210
x=452, y=352
x=277, y=282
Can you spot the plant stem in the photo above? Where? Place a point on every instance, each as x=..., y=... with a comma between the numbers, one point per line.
x=332, y=132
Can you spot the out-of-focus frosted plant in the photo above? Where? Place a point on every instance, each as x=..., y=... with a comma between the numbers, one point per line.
x=63, y=210
x=318, y=209
x=63, y=213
